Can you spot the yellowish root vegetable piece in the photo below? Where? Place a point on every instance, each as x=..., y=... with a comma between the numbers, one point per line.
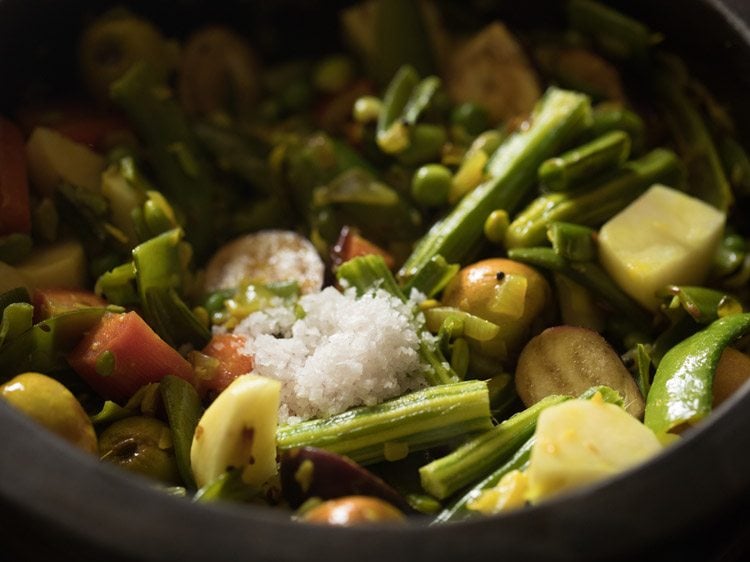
x=580, y=442
x=61, y=265
x=54, y=158
x=664, y=237
x=509, y=493
x=263, y=257
x=238, y=430
x=732, y=372
x=52, y=405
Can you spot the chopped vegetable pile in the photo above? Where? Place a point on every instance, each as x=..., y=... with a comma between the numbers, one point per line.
x=440, y=273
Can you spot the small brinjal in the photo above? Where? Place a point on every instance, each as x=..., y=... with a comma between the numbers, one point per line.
x=309, y=472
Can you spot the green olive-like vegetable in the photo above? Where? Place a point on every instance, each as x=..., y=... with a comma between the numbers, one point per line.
x=52, y=405
x=112, y=44
x=143, y=445
x=505, y=292
x=353, y=510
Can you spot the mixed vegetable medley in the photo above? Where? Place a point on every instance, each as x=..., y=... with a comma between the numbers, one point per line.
x=448, y=270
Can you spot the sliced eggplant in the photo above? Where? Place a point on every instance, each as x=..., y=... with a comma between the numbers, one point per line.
x=309, y=472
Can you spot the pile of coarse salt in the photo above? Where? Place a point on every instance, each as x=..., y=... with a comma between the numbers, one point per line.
x=345, y=351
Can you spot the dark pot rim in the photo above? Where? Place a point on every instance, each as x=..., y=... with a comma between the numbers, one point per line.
x=63, y=499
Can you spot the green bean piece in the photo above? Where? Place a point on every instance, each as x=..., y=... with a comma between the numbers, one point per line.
x=236, y=154
x=585, y=162
x=368, y=272
x=401, y=38
x=433, y=278
x=559, y=116
x=596, y=203
x=111, y=412
x=730, y=255
x=572, y=241
x=608, y=117
x=184, y=410
x=17, y=318
x=43, y=346
x=460, y=357
x=420, y=99
x=643, y=368
x=681, y=392
x=118, y=285
x=618, y=35
x=502, y=394
x=431, y=184
x=459, y=510
x=159, y=276
x=705, y=173
x=392, y=135
x=413, y=422
x=477, y=457
x=577, y=304
x=182, y=171
x=736, y=163
x=228, y=486
x=704, y=305
x=12, y=296
x=590, y=275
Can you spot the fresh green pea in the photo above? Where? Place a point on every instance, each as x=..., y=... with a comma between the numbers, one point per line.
x=472, y=117
x=367, y=109
x=426, y=144
x=430, y=185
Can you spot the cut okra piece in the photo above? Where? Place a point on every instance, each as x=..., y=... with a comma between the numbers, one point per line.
x=585, y=162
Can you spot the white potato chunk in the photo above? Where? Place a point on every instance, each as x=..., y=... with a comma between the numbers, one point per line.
x=664, y=237
x=581, y=441
x=54, y=158
x=238, y=430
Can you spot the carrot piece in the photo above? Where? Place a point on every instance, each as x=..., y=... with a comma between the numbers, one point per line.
x=50, y=302
x=233, y=361
x=122, y=353
x=351, y=245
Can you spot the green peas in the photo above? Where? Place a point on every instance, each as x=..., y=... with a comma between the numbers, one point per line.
x=367, y=109
x=431, y=184
x=333, y=74
x=471, y=117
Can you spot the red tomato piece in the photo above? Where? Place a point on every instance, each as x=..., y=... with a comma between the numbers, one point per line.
x=122, y=353
x=351, y=245
x=50, y=302
x=229, y=350
x=15, y=212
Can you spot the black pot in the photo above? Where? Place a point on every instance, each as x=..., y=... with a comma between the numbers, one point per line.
x=691, y=503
